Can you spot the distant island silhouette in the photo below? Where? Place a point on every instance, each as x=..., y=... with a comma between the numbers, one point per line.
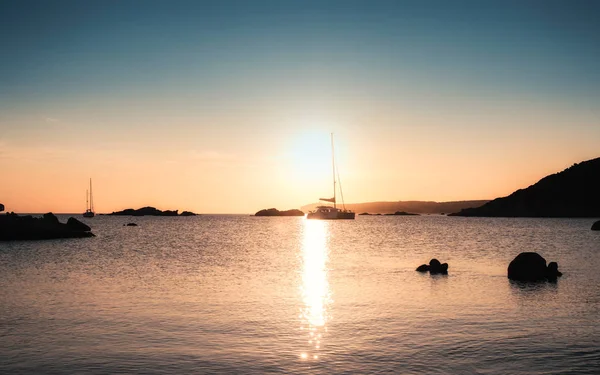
x=276, y=212
x=416, y=207
x=574, y=192
x=402, y=213
x=150, y=211
x=397, y=213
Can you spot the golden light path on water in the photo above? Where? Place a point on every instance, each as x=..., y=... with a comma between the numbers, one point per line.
x=316, y=295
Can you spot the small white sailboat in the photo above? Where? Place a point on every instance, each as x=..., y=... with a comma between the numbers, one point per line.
x=328, y=212
x=89, y=202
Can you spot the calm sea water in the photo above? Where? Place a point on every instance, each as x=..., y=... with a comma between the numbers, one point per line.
x=248, y=295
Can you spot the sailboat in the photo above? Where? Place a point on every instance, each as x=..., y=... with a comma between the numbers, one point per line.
x=328, y=212
x=89, y=203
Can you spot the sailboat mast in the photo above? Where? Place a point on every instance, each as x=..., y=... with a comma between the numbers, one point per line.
x=91, y=197
x=87, y=199
x=333, y=169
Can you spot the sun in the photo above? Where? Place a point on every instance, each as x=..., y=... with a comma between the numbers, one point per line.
x=310, y=155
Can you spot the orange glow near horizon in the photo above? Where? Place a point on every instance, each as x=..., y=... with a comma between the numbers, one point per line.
x=225, y=172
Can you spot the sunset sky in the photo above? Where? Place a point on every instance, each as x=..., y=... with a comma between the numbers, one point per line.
x=227, y=106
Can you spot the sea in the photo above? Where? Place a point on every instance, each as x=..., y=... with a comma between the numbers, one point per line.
x=236, y=294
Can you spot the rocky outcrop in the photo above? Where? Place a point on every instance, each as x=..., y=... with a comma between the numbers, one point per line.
x=596, y=225
x=434, y=267
x=150, y=211
x=570, y=193
x=14, y=228
x=276, y=212
x=77, y=225
x=531, y=266
x=1, y=207
x=50, y=218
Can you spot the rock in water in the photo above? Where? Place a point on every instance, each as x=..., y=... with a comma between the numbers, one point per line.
x=77, y=225
x=423, y=268
x=131, y=225
x=444, y=268
x=434, y=267
x=552, y=271
x=595, y=226
x=532, y=267
x=527, y=267
x=1, y=207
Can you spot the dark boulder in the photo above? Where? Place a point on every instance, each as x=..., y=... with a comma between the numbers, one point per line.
x=531, y=266
x=77, y=225
x=527, y=267
x=595, y=226
x=1, y=207
x=434, y=267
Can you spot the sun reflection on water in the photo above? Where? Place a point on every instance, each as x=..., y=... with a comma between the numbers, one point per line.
x=315, y=287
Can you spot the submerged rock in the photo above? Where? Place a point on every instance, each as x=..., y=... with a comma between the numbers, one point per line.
x=596, y=225
x=130, y=225
x=530, y=266
x=434, y=267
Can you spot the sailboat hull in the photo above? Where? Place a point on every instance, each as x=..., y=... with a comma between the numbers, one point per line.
x=330, y=213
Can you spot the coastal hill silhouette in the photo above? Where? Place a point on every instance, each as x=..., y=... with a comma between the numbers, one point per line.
x=574, y=192
x=417, y=207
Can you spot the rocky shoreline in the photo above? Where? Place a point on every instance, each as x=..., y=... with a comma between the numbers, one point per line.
x=22, y=228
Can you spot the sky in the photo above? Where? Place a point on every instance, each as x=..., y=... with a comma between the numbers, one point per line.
x=227, y=106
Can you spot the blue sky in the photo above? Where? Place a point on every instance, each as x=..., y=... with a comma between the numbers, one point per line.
x=547, y=48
